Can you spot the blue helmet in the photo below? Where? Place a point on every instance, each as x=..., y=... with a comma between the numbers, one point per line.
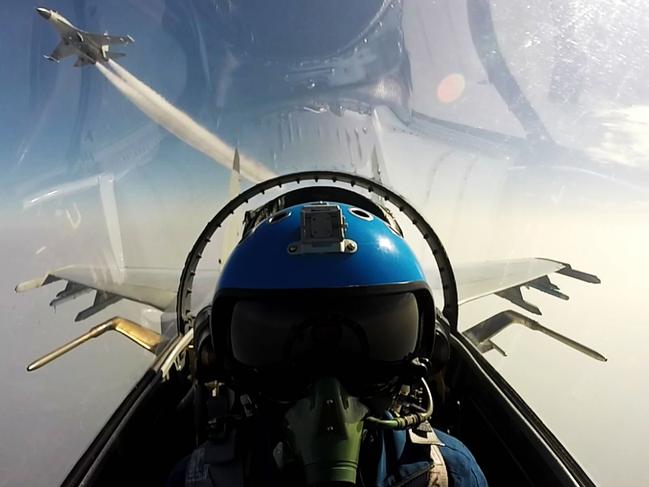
x=321, y=288
x=322, y=245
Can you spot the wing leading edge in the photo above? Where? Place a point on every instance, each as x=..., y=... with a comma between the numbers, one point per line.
x=155, y=287
x=151, y=286
x=505, y=278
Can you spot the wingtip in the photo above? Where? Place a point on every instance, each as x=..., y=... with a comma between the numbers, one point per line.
x=36, y=283
x=28, y=285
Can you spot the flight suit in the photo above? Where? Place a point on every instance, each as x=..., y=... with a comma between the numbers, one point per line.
x=422, y=457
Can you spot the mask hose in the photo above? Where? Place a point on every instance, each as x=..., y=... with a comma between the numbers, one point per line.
x=404, y=422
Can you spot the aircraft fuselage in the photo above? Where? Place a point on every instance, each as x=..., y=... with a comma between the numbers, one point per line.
x=89, y=47
x=71, y=36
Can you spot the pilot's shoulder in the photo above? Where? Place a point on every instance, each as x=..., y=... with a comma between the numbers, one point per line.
x=462, y=467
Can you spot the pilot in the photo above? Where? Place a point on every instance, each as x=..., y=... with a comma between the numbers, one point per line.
x=322, y=340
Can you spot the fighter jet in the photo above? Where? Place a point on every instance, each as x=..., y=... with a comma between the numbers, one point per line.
x=90, y=48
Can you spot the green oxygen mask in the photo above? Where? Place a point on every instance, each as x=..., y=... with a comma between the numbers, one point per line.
x=324, y=431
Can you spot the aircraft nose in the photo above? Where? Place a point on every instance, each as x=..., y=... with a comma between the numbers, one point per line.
x=43, y=12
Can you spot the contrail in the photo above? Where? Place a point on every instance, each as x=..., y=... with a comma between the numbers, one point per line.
x=179, y=123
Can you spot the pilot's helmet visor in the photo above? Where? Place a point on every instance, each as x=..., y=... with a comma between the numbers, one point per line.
x=325, y=333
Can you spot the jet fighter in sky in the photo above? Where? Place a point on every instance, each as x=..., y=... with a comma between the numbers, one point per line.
x=90, y=48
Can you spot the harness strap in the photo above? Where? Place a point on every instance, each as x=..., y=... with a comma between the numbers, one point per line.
x=438, y=473
x=425, y=435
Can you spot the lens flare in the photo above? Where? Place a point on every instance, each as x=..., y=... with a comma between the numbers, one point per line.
x=451, y=88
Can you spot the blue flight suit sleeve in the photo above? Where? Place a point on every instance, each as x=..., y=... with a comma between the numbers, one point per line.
x=462, y=468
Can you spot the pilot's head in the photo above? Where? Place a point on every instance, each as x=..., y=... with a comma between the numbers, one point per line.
x=323, y=308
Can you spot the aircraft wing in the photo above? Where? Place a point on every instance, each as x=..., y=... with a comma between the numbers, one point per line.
x=61, y=51
x=155, y=287
x=505, y=278
x=104, y=39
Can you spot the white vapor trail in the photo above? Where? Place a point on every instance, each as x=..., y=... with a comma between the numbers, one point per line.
x=179, y=123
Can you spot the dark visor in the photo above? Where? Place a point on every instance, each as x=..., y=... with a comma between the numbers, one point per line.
x=271, y=333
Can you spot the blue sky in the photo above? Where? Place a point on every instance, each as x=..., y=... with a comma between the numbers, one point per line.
x=62, y=123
